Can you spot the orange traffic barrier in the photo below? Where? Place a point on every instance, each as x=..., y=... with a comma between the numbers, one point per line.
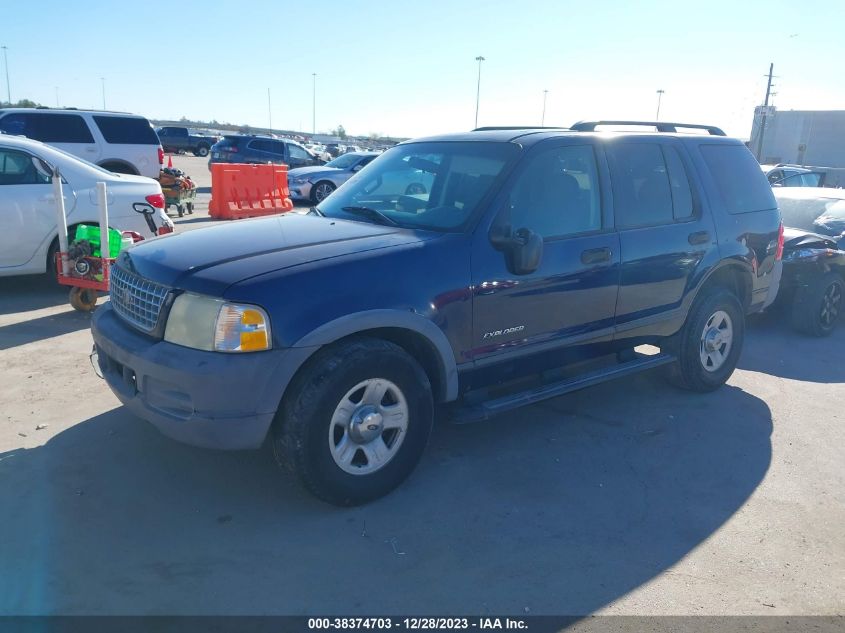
x=245, y=191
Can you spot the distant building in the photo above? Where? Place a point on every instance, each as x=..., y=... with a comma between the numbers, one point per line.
x=800, y=137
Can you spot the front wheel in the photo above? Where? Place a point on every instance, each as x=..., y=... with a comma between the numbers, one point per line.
x=201, y=151
x=355, y=422
x=710, y=342
x=321, y=191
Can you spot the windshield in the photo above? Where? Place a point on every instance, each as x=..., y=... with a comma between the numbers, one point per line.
x=435, y=186
x=344, y=162
x=813, y=214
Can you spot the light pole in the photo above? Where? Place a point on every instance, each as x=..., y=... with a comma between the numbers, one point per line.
x=543, y=118
x=6, y=64
x=269, y=111
x=314, y=104
x=103, y=82
x=659, y=97
x=479, y=59
x=57, y=96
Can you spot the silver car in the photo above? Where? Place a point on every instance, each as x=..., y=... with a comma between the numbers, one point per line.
x=315, y=183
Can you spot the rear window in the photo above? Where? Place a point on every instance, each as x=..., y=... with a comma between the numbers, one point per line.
x=48, y=128
x=741, y=184
x=126, y=130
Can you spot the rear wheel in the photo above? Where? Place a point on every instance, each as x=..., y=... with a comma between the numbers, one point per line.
x=119, y=168
x=710, y=342
x=356, y=421
x=321, y=191
x=816, y=308
x=202, y=150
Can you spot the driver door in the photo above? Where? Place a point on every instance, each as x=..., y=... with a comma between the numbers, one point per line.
x=570, y=299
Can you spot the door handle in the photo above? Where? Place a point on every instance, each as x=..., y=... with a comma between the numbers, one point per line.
x=699, y=237
x=90, y=149
x=595, y=256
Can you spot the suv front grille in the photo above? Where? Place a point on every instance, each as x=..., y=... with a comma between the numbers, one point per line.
x=135, y=299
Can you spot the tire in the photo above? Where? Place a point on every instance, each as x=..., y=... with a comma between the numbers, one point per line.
x=817, y=307
x=705, y=360
x=321, y=191
x=201, y=150
x=51, y=272
x=83, y=299
x=119, y=168
x=318, y=428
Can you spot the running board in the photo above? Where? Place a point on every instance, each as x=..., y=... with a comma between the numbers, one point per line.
x=489, y=408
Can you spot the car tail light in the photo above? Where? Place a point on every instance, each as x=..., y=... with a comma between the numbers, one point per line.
x=160, y=155
x=136, y=237
x=156, y=200
x=164, y=230
x=779, y=251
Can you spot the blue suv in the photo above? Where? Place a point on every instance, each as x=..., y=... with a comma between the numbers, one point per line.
x=533, y=262
x=237, y=148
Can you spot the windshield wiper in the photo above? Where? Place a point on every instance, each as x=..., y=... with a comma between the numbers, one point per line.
x=371, y=213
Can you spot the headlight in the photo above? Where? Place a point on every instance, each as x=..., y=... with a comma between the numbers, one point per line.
x=298, y=181
x=211, y=324
x=810, y=254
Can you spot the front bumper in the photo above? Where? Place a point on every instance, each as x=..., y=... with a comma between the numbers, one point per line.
x=301, y=191
x=207, y=399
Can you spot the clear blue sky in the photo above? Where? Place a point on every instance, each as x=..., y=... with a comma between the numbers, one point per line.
x=408, y=69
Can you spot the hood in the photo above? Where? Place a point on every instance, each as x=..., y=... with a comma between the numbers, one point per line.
x=310, y=171
x=799, y=238
x=210, y=260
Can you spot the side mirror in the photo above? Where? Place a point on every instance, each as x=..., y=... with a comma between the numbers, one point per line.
x=523, y=248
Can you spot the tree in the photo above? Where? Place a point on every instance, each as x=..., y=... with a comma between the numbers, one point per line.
x=23, y=103
x=340, y=131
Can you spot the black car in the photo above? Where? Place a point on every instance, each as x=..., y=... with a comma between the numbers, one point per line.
x=532, y=263
x=813, y=281
x=238, y=148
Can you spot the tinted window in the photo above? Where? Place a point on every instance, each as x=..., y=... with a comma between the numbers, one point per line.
x=49, y=128
x=642, y=195
x=738, y=178
x=126, y=130
x=19, y=168
x=681, y=193
x=261, y=145
x=557, y=193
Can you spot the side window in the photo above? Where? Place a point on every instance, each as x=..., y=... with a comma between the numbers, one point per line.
x=642, y=195
x=260, y=145
x=18, y=124
x=163, y=132
x=737, y=175
x=126, y=130
x=19, y=168
x=298, y=153
x=557, y=193
x=775, y=176
x=681, y=192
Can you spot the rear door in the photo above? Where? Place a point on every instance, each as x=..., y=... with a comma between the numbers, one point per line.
x=667, y=237
x=131, y=140
x=27, y=209
x=570, y=299
x=67, y=131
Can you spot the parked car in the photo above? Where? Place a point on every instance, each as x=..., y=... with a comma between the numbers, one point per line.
x=180, y=139
x=315, y=183
x=116, y=141
x=783, y=175
x=535, y=264
x=261, y=149
x=28, y=241
x=319, y=151
x=813, y=281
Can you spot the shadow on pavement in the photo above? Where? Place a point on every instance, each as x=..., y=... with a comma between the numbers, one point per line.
x=558, y=508
x=786, y=353
x=43, y=328
x=30, y=292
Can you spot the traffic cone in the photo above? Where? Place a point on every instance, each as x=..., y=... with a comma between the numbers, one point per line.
x=170, y=161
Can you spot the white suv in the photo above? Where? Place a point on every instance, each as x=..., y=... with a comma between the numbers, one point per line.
x=119, y=142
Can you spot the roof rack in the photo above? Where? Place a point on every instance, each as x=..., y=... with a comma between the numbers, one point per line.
x=492, y=128
x=662, y=126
